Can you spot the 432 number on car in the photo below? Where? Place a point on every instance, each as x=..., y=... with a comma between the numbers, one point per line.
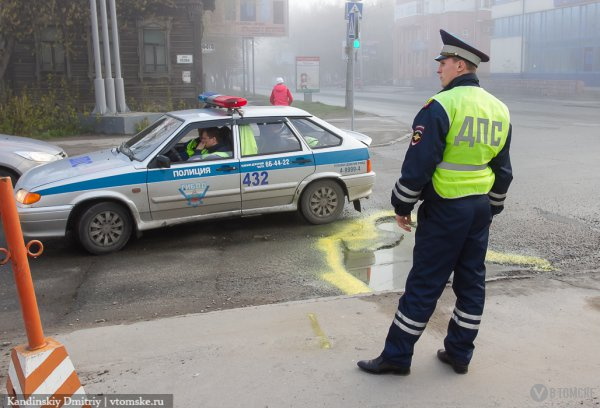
x=256, y=178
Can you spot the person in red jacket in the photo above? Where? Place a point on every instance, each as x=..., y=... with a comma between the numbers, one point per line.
x=281, y=95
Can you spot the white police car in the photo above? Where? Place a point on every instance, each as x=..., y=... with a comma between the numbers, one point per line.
x=270, y=159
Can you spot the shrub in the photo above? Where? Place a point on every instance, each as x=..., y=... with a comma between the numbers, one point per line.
x=40, y=115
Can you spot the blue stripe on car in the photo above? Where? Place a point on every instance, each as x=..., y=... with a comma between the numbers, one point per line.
x=341, y=157
x=104, y=182
x=160, y=175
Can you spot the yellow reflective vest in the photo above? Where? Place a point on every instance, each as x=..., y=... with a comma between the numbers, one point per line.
x=479, y=125
x=191, y=150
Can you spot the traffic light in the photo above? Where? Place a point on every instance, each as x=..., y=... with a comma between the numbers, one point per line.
x=356, y=43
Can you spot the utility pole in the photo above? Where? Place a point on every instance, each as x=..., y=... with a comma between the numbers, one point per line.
x=353, y=14
x=195, y=11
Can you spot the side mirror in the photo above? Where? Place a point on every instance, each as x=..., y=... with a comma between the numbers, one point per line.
x=163, y=161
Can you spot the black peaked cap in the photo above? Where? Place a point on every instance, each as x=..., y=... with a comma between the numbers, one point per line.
x=455, y=47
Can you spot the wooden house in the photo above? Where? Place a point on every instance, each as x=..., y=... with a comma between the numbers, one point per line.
x=160, y=53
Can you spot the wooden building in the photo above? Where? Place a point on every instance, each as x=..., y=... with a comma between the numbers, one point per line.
x=160, y=52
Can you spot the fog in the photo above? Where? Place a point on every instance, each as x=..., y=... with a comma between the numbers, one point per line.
x=319, y=29
x=529, y=41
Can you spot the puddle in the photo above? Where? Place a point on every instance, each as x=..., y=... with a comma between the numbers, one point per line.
x=385, y=268
x=373, y=254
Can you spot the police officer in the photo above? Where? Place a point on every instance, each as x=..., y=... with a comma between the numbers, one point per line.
x=210, y=145
x=458, y=163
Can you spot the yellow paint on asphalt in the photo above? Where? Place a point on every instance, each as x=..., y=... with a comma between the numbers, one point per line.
x=323, y=340
x=337, y=275
x=361, y=233
x=538, y=264
x=353, y=234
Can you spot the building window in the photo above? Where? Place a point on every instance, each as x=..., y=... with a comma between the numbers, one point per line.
x=247, y=10
x=52, y=57
x=154, y=48
x=155, y=51
x=508, y=27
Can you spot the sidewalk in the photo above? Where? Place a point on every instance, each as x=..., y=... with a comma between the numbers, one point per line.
x=537, y=347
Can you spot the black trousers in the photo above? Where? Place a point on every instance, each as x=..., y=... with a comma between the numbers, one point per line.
x=452, y=235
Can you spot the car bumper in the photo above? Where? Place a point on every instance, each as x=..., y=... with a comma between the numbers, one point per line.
x=44, y=222
x=359, y=186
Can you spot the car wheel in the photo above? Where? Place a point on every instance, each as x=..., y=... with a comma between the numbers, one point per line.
x=322, y=202
x=9, y=173
x=104, y=228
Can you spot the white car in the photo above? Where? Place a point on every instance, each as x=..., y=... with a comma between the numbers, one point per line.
x=271, y=159
x=19, y=154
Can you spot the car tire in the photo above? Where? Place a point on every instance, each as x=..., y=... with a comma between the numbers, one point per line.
x=322, y=202
x=104, y=228
x=9, y=173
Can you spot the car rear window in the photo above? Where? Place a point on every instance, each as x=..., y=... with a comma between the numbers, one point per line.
x=314, y=135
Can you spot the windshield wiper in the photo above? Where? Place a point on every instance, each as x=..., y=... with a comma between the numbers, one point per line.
x=123, y=148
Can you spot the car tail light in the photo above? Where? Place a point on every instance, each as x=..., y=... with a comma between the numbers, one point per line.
x=25, y=197
x=369, y=166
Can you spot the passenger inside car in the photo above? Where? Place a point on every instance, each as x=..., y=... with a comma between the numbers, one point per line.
x=276, y=138
x=247, y=141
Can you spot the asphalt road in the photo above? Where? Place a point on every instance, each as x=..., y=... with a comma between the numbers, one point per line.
x=552, y=210
x=551, y=215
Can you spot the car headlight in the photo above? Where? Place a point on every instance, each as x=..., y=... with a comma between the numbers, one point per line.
x=38, y=156
x=25, y=197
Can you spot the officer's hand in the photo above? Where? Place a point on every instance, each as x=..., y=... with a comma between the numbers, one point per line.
x=404, y=222
x=496, y=209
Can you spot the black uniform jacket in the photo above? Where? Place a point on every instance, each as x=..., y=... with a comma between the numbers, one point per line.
x=430, y=128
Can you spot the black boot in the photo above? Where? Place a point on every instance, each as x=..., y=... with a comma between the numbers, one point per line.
x=445, y=358
x=381, y=366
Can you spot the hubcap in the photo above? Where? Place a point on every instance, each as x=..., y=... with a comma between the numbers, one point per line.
x=106, y=228
x=323, y=202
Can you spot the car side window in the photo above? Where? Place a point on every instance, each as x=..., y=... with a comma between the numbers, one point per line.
x=276, y=137
x=315, y=136
x=191, y=147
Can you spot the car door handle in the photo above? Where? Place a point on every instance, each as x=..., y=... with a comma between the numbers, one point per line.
x=226, y=168
x=301, y=160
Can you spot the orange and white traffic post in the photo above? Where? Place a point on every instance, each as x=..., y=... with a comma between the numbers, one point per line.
x=40, y=372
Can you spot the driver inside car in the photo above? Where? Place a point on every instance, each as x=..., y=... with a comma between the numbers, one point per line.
x=209, y=145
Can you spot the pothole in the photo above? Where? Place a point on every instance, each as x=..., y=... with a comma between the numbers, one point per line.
x=386, y=266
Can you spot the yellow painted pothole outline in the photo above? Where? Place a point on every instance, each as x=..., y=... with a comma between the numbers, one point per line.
x=365, y=229
x=538, y=264
x=361, y=229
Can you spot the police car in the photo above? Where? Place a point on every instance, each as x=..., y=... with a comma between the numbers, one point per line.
x=278, y=159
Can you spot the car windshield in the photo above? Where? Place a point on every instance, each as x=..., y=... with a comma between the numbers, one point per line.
x=148, y=140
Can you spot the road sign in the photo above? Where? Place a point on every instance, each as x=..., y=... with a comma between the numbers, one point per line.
x=351, y=7
x=352, y=26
